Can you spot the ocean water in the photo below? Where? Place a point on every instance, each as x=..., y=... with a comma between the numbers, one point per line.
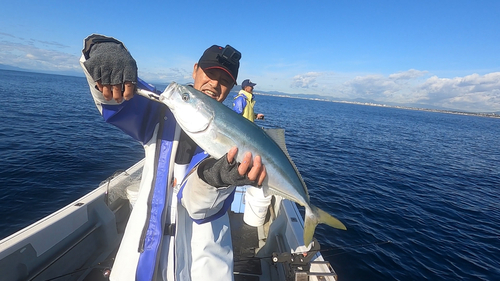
x=418, y=191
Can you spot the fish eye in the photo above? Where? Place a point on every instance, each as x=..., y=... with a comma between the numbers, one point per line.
x=185, y=96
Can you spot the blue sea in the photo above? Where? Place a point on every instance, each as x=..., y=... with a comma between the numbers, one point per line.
x=417, y=190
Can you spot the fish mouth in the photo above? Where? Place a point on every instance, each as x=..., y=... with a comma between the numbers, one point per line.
x=169, y=91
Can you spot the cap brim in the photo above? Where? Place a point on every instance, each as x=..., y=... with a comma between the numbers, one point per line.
x=218, y=67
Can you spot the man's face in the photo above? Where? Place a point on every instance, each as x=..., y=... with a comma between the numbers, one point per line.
x=215, y=83
x=249, y=89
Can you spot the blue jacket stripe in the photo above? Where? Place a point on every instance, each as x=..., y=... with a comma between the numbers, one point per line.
x=199, y=156
x=154, y=234
x=136, y=117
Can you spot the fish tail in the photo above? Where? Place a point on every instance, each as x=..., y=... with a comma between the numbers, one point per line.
x=315, y=216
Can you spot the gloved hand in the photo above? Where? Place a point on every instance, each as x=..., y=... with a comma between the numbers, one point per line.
x=221, y=173
x=111, y=63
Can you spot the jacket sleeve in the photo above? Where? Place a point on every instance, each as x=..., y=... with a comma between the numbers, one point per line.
x=239, y=104
x=203, y=202
x=136, y=117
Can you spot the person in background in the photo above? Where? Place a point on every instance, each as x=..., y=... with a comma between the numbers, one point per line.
x=244, y=102
x=179, y=227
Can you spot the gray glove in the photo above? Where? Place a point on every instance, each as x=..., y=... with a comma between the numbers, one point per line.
x=220, y=173
x=111, y=63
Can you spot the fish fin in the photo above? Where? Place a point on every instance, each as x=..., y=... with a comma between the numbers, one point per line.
x=278, y=135
x=315, y=216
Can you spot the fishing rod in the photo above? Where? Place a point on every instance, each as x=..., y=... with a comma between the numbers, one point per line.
x=324, y=250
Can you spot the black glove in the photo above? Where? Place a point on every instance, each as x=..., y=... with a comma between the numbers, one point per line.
x=111, y=63
x=221, y=173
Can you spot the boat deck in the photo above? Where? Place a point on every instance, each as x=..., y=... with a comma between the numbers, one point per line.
x=247, y=267
x=274, y=242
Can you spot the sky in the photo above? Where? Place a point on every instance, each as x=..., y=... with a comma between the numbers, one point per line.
x=435, y=53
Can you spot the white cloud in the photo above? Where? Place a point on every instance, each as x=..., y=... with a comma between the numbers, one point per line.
x=373, y=86
x=28, y=56
x=307, y=80
x=470, y=93
x=167, y=75
x=476, y=93
x=406, y=75
x=473, y=92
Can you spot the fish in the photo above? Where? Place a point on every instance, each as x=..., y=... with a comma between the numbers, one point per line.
x=216, y=129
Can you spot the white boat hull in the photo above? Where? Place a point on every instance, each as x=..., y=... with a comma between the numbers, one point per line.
x=79, y=241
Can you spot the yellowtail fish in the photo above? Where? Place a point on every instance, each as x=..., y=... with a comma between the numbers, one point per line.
x=216, y=129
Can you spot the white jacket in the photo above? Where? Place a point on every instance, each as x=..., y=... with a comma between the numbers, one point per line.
x=201, y=248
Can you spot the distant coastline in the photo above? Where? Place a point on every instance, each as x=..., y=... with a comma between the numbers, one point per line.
x=480, y=114
x=63, y=73
x=284, y=95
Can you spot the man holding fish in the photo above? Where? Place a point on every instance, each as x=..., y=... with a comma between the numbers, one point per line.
x=177, y=139
x=198, y=228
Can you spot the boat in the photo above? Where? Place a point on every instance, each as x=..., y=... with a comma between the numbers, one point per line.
x=80, y=241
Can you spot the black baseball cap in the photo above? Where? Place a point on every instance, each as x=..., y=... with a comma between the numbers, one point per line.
x=225, y=58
